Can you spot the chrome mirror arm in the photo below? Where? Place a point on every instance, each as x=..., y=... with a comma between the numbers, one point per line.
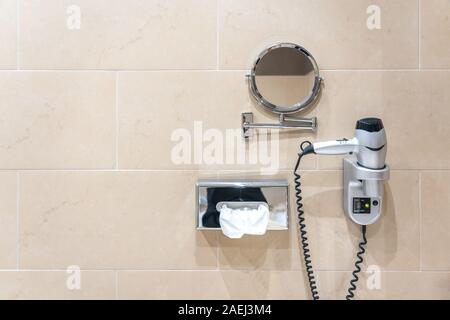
x=285, y=123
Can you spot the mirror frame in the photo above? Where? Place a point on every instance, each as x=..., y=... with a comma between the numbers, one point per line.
x=308, y=100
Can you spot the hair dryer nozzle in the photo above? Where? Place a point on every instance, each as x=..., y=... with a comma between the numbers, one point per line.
x=369, y=124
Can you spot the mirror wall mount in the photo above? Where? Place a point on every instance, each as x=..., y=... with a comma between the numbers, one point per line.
x=285, y=62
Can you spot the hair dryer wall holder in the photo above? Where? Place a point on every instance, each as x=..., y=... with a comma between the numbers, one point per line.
x=363, y=191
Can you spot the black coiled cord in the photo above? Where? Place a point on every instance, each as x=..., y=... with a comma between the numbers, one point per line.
x=306, y=147
x=358, y=262
x=301, y=222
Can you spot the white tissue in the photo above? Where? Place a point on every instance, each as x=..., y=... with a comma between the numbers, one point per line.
x=237, y=222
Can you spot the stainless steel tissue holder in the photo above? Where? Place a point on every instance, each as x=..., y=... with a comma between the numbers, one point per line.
x=240, y=193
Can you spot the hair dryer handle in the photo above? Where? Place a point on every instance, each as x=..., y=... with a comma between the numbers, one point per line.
x=336, y=147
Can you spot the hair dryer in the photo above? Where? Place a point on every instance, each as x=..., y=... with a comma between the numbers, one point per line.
x=364, y=176
x=369, y=144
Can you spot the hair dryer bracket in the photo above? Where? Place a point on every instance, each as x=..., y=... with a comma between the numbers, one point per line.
x=363, y=191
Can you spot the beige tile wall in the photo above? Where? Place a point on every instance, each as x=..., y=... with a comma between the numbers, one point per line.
x=8, y=34
x=86, y=124
x=174, y=34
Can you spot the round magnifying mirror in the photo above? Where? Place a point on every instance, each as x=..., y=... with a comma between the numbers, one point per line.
x=285, y=78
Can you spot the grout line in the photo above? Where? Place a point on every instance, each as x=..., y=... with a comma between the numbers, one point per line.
x=419, y=31
x=217, y=35
x=131, y=270
x=204, y=170
x=116, y=276
x=124, y=70
x=420, y=222
x=217, y=252
x=215, y=70
x=18, y=220
x=117, y=120
x=385, y=70
x=370, y=70
x=17, y=34
x=222, y=270
x=64, y=70
x=351, y=270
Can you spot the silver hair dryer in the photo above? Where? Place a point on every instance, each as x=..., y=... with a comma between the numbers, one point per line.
x=363, y=174
x=369, y=144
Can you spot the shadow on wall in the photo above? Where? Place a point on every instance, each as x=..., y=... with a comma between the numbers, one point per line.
x=271, y=251
x=263, y=284
x=386, y=228
x=205, y=240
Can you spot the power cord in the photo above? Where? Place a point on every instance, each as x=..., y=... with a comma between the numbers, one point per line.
x=306, y=148
x=358, y=263
x=301, y=222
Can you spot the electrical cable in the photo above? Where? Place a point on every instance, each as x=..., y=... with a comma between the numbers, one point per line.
x=306, y=148
x=358, y=263
x=301, y=222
